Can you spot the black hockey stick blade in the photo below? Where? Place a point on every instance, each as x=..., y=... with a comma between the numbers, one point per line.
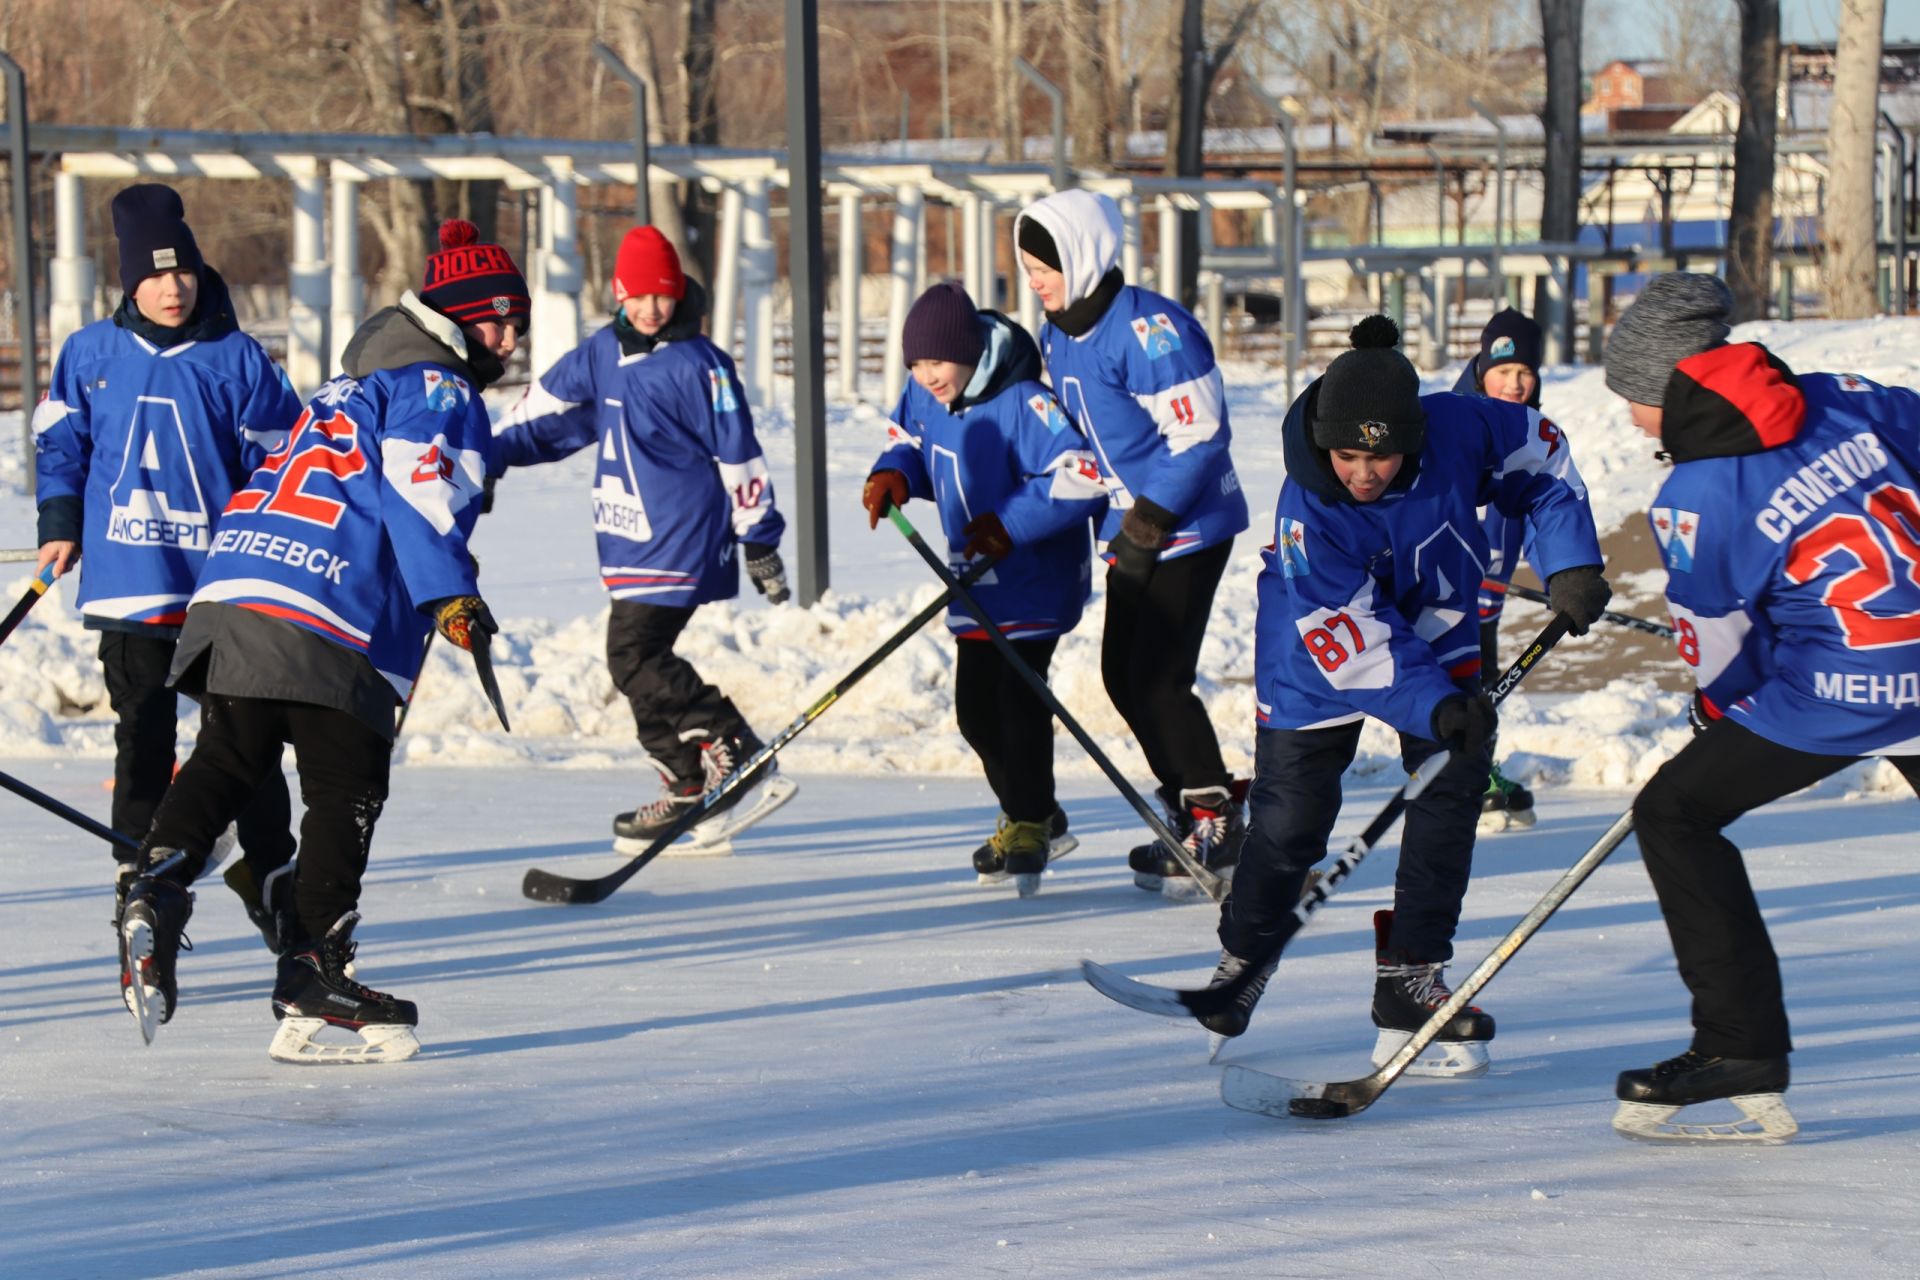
x=29, y=598
x=489, y=684
x=546, y=886
x=1248, y=1090
x=1199, y=1002
x=1646, y=625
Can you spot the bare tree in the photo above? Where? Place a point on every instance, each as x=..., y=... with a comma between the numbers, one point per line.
x=1750, y=222
x=401, y=227
x=1852, y=242
x=1088, y=115
x=633, y=41
x=1560, y=23
x=1187, y=117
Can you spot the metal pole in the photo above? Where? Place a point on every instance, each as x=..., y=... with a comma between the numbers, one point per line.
x=1062, y=176
x=807, y=270
x=1499, y=198
x=642, y=196
x=1288, y=249
x=19, y=177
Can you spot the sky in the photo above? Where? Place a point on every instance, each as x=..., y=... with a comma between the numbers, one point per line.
x=1801, y=21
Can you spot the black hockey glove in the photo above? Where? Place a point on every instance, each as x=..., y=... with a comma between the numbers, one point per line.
x=464, y=620
x=1580, y=593
x=768, y=573
x=1699, y=715
x=1136, y=548
x=1465, y=723
x=986, y=536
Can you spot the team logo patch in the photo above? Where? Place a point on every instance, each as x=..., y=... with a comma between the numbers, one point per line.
x=165, y=259
x=502, y=305
x=1373, y=433
x=724, y=399
x=1292, y=546
x=1677, y=531
x=1852, y=382
x=1502, y=349
x=1048, y=410
x=445, y=392
x=1156, y=334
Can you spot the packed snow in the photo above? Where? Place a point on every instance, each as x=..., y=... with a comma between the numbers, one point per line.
x=832, y=1055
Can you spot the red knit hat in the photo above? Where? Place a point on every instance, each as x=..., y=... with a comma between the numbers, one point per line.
x=648, y=264
x=468, y=281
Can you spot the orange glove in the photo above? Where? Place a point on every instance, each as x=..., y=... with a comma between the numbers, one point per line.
x=884, y=489
x=464, y=621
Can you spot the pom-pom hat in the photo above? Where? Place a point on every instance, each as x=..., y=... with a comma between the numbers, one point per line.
x=1370, y=396
x=469, y=281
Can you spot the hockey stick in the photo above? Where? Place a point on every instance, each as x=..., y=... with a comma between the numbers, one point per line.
x=400, y=721
x=61, y=809
x=38, y=588
x=545, y=886
x=1647, y=625
x=1202, y=1002
x=1251, y=1090
x=489, y=683
x=1215, y=887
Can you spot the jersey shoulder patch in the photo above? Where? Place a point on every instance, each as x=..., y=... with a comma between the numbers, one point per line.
x=445, y=392
x=1048, y=410
x=1677, y=531
x=1156, y=334
x=1291, y=543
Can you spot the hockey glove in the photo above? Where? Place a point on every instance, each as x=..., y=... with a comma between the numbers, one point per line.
x=464, y=621
x=1136, y=548
x=884, y=489
x=1580, y=593
x=1465, y=723
x=1700, y=713
x=986, y=536
x=768, y=573
x=486, y=494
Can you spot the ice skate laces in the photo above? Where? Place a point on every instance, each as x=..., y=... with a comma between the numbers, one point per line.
x=1424, y=984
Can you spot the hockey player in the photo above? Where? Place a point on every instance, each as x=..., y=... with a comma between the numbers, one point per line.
x=1506, y=368
x=154, y=417
x=1366, y=609
x=679, y=484
x=331, y=566
x=1135, y=372
x=977, y=434
x=1790, y=527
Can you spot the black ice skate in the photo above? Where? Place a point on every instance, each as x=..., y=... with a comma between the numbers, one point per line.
x=1211, y=822
x=990, y=865
x=1233, y=1021
x=1405, y=995
x=644, y=825
x=1506, y=804
x=1649, y=1098
x=315, y=991
x=152, y=935
x=269, y=902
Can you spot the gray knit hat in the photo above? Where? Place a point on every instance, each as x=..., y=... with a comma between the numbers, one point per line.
x=1677, y=315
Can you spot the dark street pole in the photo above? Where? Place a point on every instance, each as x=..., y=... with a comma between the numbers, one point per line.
x=807, y=272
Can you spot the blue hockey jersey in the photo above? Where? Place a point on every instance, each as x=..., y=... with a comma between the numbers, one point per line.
x=680, y=477
x=1005, y=447
x=1506, y=536
x=1790, y=528
x=361, y=518
x=143, y=444
x=1368, y=608
x=1142, y=386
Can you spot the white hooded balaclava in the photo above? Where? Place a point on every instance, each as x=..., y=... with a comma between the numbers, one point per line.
x=1086, y=229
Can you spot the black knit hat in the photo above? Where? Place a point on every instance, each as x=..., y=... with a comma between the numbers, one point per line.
x=469, y=281
x=1510, y=338
x=1038, y=241
x=1370, y=396
x=943, y=324
x=151, y=224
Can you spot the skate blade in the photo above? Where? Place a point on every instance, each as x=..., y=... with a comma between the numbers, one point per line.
x=1766, y=1119
x=143, y=1002
x=1145, y=880
x=1056, y=850
x=1441, y=1060
x=295, y=1042
x=1215, y=1043
x=1028, y=884
x=1181, y=889
x=1494, y=821
x=714, y=839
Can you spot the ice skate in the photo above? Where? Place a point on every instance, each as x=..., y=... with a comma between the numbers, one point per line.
x=1022, y=851
x=1506, y=804
x=638, y=828
x=1651, y=1097
x=314, y=992
x=1405, y=994
x=152, y=935
x=268, y=903
x=1212, y=824
x=1233, y=1021
x=990, y=866
x=741, y=808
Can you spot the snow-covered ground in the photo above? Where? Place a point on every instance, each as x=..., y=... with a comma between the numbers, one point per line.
x=831, y=1055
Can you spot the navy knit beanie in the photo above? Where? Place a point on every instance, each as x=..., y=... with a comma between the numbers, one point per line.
x=151, y=224
x=1370, y=396
x=1510, y=338
x=469, y=280
x=943, y=325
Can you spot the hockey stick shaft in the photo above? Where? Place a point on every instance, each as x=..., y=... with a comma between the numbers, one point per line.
x=1214, y=999
x=61, y=809
x=544, y=886
x=31, y=597
x=1214, y=886
x=1646, y=625
x=400, y=721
